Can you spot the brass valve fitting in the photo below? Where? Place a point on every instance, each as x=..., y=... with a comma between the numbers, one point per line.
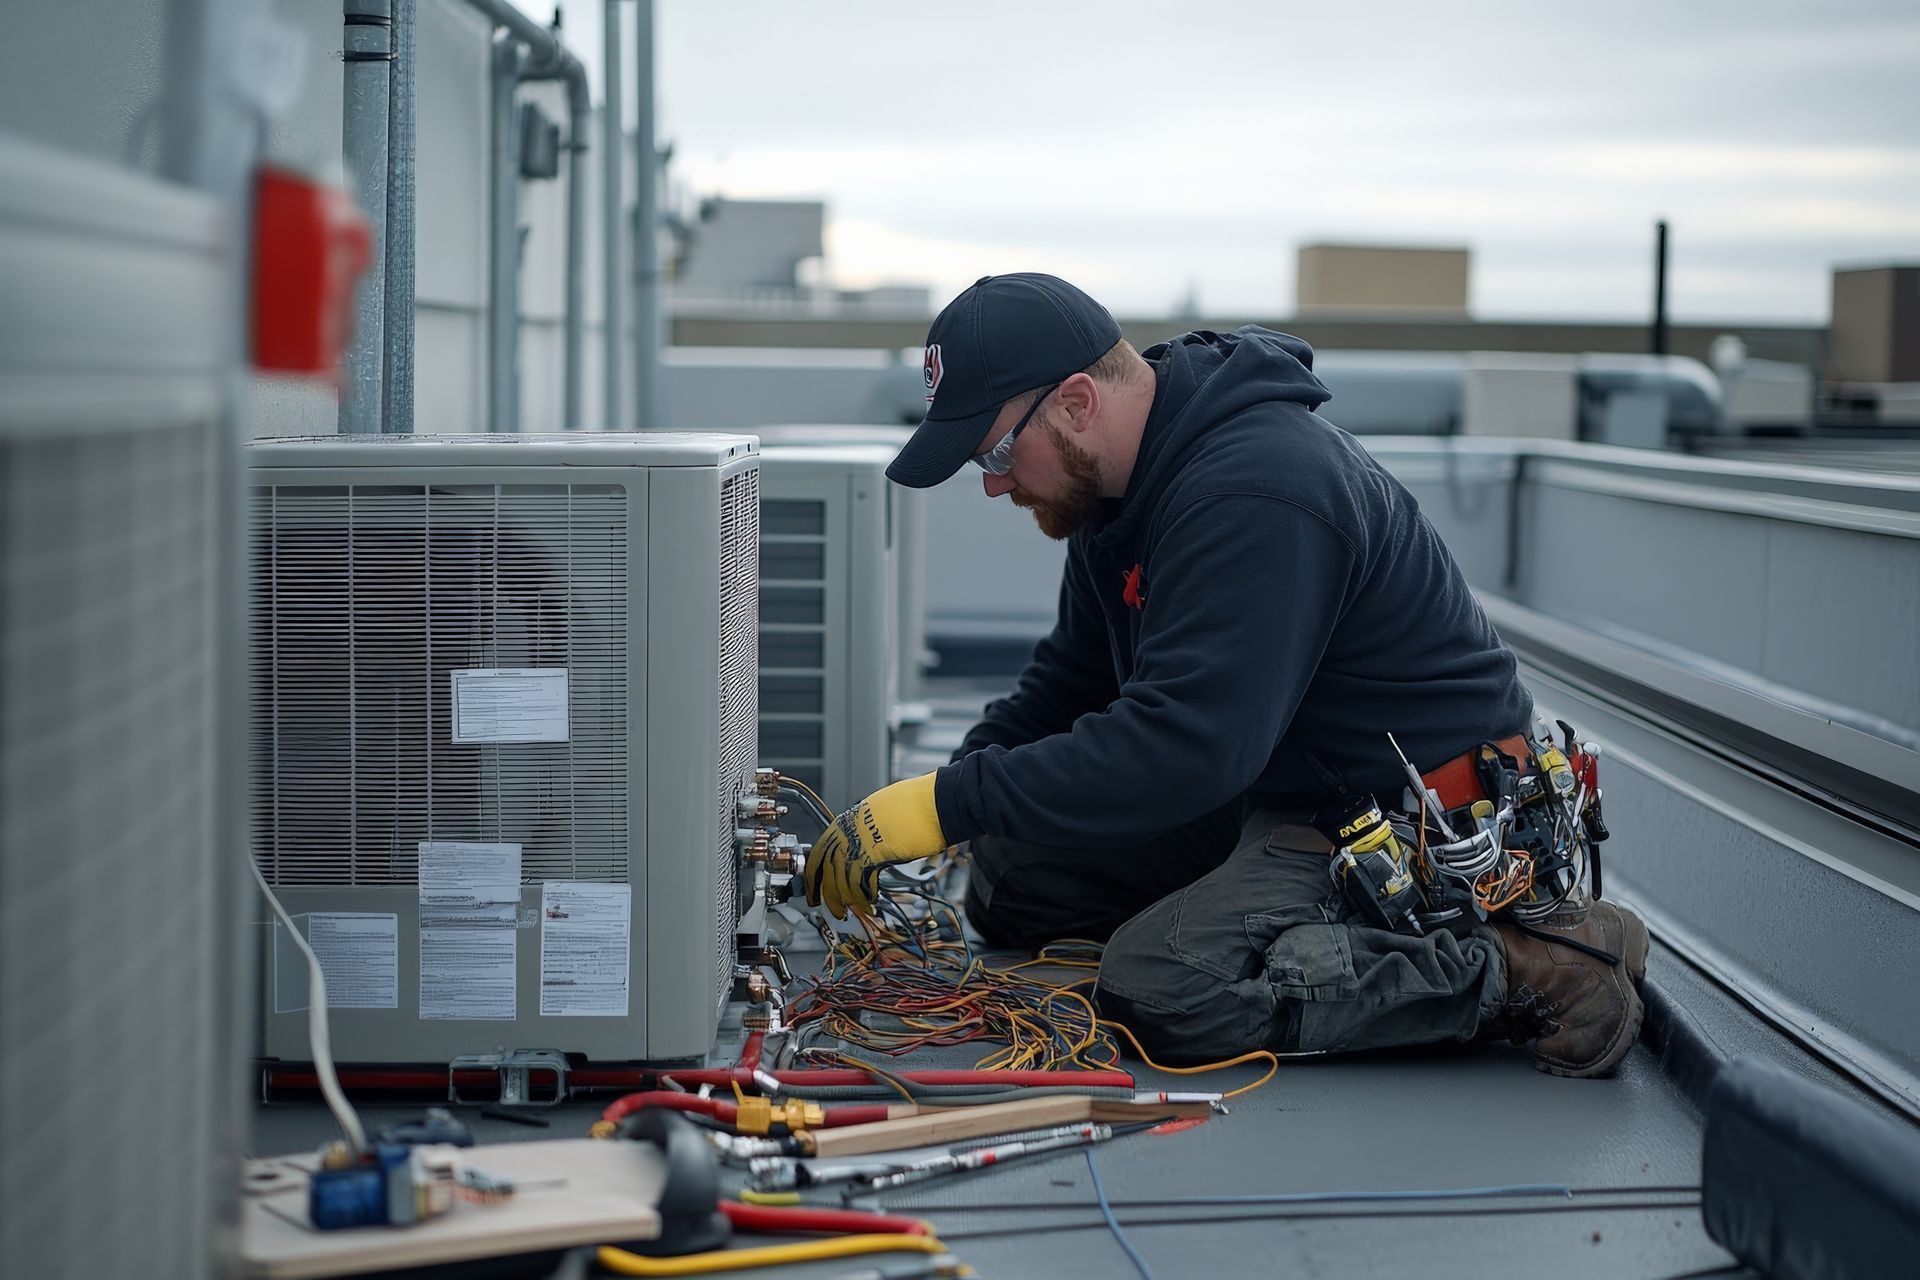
x=757, y=1116
x=761, y=809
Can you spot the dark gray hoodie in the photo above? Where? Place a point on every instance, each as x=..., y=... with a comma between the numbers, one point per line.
x=1252, y=618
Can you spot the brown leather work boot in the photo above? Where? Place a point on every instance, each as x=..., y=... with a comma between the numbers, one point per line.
x=1635, y=946
x=1570, y=991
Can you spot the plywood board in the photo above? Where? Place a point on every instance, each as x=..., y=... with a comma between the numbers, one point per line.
x=571, y=1192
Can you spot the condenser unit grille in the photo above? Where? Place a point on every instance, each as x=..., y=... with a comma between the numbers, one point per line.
x=793, y=639
x=739, y=662
x=365, y=600
x=114, y=925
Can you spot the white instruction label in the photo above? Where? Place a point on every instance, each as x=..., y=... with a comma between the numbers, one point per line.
x=468, y=884
x=584, y=929
x=359, y=954
x=510, y=705
x=468, y=972
x=469, y=902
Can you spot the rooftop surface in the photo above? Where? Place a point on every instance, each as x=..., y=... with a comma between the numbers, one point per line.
x=1610, y=1168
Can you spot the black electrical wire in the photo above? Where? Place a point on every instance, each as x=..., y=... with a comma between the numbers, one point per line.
x=1562, y=940
x=819, y=813
x=775, y=1132
x=1306, y=1198
x=1099, y=1224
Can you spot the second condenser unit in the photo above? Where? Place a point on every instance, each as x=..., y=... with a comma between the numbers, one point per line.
x=827, y=617
x=907, y=528
x=504, y=712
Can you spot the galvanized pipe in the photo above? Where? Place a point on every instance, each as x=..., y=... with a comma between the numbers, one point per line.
x=522, y=45
x=503, y=260
x=579, y=124
x=580, y=104
x=397, y=381
x=612, y=225
x=368, y=51
x=541, y=42
x=646, y=238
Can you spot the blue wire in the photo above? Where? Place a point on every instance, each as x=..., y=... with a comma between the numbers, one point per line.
x=1113, y=1224
x=1315, y=1197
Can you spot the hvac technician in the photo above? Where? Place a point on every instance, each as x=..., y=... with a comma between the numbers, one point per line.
x=1251, y=605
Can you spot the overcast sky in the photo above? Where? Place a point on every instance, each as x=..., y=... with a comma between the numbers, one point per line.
x=1142, y=149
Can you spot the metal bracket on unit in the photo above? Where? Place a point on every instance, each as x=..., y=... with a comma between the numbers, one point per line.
x=514, y=1068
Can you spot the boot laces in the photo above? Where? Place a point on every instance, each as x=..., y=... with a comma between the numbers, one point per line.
x=1529, y=1016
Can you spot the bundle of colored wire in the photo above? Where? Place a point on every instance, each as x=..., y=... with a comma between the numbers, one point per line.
x=1497, y=890
x=910, y=980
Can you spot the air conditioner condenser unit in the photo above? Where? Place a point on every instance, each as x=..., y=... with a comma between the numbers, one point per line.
x=504, y=714
x=827, y=617
x=907, y=528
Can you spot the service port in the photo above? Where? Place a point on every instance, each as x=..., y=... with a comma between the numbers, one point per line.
x=761, y=809
x=771, y=957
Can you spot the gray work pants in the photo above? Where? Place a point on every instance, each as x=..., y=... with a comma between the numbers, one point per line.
x=1222, y=939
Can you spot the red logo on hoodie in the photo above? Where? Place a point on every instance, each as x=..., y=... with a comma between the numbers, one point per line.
x=1135, y=593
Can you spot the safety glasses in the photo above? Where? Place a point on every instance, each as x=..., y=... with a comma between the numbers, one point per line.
x=998, y=460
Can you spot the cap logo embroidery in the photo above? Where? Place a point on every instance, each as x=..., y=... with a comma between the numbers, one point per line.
x=932, y=369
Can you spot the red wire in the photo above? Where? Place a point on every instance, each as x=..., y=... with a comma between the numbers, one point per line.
x=727, y=1113
x=750, y=1051
x=723, y=1111
x=853, y=1075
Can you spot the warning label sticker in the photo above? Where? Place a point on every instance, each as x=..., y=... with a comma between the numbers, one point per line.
x=584, y=932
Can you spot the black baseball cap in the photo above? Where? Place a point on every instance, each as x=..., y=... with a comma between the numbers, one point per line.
x=1005, y=335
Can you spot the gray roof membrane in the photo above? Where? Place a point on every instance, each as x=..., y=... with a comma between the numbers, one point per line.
x=1411, y=1122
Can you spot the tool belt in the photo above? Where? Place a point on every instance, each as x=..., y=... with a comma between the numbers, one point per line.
x=1509, y=827
x=1457, y=782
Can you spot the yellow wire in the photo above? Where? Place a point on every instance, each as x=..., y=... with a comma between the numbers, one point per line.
x=623, y=1263
x=1256, y=1055
x=1072, y=942
x=997, y=1005
x=1273, y=1062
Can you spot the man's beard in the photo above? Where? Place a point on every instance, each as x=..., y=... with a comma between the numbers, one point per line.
x=1060, y=517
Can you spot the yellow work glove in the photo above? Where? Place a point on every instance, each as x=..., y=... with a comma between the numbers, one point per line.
x=894, y=824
